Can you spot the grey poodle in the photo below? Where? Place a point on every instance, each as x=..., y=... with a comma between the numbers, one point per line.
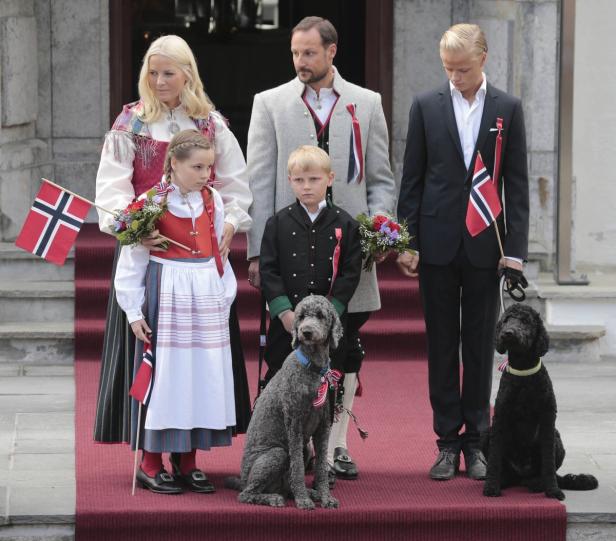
x=523, y=446
x=285, y=418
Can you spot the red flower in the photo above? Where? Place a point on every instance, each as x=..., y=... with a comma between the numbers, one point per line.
x=378, y=221
x=136, y=206
x=393, y=226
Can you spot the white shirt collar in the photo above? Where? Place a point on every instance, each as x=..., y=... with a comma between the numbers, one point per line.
x=482, y=89
x=313, y=215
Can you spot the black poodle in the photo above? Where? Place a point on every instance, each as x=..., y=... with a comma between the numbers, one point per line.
x=523, y=446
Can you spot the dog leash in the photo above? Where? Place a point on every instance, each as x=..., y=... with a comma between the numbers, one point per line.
x=262, y=344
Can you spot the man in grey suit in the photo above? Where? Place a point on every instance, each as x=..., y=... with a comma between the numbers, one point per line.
x=320, y=108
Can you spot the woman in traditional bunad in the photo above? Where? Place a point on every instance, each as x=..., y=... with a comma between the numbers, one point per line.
x=177, y=303
x=172, y=98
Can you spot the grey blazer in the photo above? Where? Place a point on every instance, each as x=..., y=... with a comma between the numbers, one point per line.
x=280, y=123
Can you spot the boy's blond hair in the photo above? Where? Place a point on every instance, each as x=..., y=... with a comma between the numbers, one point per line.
x=308, y=156
x=464, y=37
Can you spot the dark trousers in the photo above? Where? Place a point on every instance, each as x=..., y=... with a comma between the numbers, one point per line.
x=347, y=357
x=460, y=304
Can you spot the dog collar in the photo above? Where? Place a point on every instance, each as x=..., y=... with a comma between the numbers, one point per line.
x=528, y=372
x=304, y=361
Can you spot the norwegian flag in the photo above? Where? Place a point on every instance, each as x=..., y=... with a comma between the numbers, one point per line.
x=142, y=384
x=483, y=204
x=53, y=223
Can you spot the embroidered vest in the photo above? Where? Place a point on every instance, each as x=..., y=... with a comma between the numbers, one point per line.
x=200, y=239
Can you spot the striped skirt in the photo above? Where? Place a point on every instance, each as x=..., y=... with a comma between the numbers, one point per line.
x=112, y=422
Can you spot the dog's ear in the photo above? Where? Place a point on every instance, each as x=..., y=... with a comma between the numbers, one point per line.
x=335, y=331
x=498, y=341
x=542, y=340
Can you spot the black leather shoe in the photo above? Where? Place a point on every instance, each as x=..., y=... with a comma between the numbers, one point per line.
x=476, y=464
x=195, y=480
x=344, y=466
x=446, y=465
x=161, y=483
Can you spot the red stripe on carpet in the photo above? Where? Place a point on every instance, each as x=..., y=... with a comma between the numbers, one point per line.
x=393, y=499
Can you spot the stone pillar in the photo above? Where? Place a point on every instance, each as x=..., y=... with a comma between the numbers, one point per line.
x=522, y=60
x=54, y=99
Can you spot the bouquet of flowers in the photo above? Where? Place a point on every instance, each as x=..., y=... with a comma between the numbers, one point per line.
x=379, y=234
x=138, y=219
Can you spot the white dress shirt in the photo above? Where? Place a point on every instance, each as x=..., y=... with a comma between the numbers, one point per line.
x=113, y=181
x=321, y=103
x=468, y=118
x=313, y=215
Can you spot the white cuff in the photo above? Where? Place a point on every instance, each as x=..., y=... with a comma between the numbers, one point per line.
x=134, y=315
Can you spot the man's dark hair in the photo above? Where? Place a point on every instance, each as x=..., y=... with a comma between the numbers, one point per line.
x=325, y=28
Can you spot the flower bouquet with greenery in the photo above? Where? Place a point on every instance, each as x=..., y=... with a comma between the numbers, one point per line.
x=380, y=234
x=138, y=219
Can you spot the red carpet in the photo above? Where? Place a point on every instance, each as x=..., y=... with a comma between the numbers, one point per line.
x=392, y=500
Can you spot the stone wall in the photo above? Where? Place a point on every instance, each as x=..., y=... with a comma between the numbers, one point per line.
x=594, y=133
x=523, y=53
x=54, y=99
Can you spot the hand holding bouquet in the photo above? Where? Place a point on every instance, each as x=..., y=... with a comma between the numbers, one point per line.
x=380, y=234
x=138, y=220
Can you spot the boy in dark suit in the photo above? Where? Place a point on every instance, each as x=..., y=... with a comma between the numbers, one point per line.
x=458, y=277
x=310, y=248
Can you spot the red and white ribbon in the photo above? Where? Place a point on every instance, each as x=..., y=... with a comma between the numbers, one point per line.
x=331, y=378
x=498, y=149
x=358, y=174
x=336, y=258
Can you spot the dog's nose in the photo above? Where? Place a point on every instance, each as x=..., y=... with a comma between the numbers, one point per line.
x=307, y=334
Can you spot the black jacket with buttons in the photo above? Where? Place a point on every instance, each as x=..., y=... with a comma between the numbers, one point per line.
x=296, y=257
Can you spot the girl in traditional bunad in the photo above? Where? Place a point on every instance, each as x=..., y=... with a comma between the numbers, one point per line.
x=172, y=98
x=177, y=303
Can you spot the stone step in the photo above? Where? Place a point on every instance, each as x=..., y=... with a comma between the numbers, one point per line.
x=37, y=301
x=15, y=262
x=575, y=343
x=37, y=343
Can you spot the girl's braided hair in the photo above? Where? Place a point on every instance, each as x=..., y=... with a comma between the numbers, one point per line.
x=181, y=146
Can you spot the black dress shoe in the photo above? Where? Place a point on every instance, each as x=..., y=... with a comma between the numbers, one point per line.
x=195, y=480
x=446, y=465
x=161, y=483
x=476, y=464
x=344, y=466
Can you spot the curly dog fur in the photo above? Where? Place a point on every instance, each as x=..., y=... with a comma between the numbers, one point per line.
x=523, y=446
x=284, y=418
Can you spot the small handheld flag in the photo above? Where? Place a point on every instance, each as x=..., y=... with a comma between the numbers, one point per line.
x=53, y=223
x=483, y=204
x=142, y=384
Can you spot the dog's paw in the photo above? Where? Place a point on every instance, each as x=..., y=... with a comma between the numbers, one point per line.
x=314, y=495
x=491, y=491
x=276, y=500
x=555, y=492
x=329, y=502
x=304, y=503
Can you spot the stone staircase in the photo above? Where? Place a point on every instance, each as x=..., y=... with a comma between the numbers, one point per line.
x=37, y=309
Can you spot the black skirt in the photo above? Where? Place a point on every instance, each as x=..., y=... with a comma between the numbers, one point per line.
x=112, y=423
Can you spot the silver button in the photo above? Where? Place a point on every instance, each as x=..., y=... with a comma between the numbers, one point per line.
x=337, y=212
x=329, y=279
x=313, y=231
x=312, y=264
x=293, y=233
x=311, y=136
x=294, y=254
x=294, y=275
x=295, y=296
x=311, y=283
x=305, y=113
x=290, y=208
x=331, y=258
x=311, y=246
x=331, y=238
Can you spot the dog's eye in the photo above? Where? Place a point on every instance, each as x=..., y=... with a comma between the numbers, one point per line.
x=319, y=314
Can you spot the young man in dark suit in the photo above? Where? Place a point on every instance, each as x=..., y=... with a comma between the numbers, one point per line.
x=458, y=274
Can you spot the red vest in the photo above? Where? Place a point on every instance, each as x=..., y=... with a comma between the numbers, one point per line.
x=202, y=239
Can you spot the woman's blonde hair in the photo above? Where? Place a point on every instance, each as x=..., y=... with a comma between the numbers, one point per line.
x=464, y=37
x=194, y=99
x=308, y=156
x=181, y=146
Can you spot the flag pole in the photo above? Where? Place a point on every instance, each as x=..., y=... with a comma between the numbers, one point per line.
x=108, y=211
x=137, y=448
x=498, y=238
